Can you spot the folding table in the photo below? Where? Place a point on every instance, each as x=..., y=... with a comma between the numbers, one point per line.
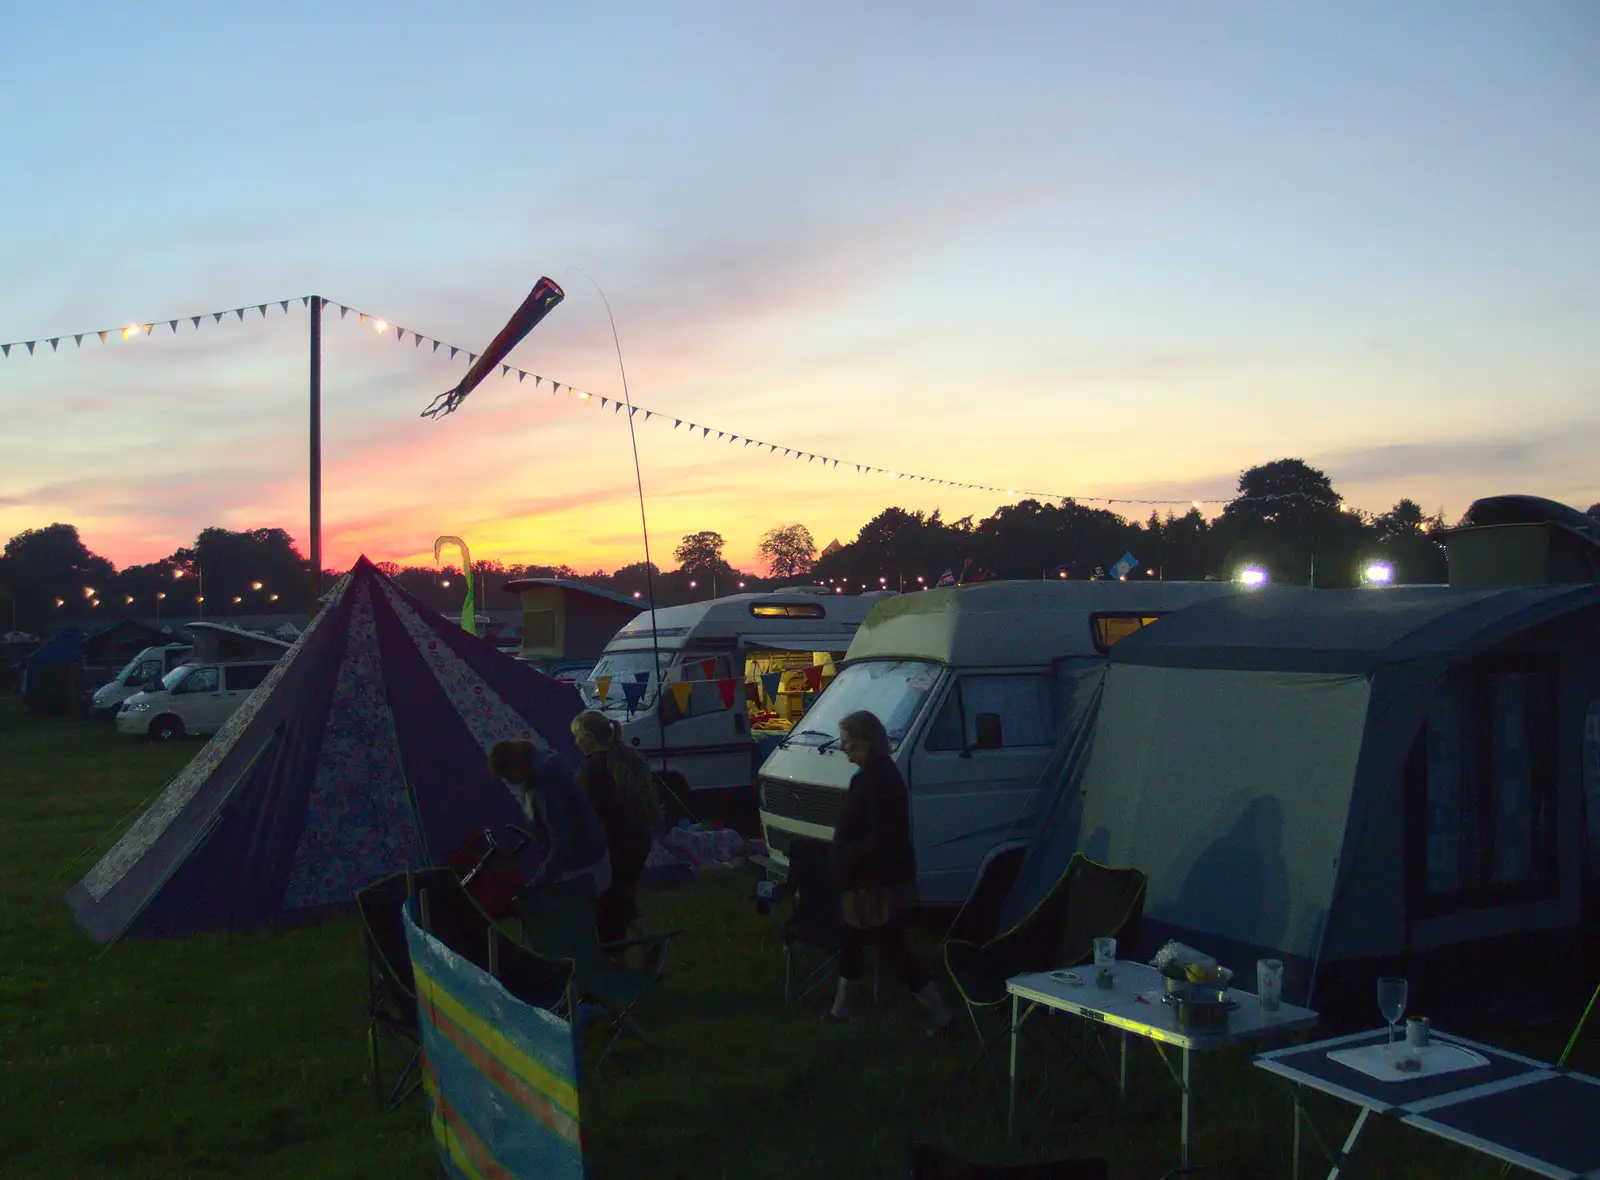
x=1128, y=1006
x=1513, y=1108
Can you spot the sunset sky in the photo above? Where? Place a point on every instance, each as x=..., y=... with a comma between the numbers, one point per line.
x=1056, y=246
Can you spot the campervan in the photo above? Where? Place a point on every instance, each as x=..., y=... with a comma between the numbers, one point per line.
x=200, y=694
x=144, y=671
x=979, y=687
x=738, y=674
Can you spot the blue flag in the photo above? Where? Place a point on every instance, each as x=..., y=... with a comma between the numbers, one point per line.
x=1125, y=565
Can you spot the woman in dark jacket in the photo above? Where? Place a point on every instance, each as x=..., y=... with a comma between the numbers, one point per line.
x=876, y=866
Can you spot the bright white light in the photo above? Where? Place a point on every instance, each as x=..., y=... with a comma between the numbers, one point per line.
x=741, y=585
x=1378, y=573
x=1253, y=576
x=1194, y=503
x=445, y=583
x=692, y=585
x=272, y=598
x=636, y=594
x=380, y=325
x=130, y=331
x=836, y=590
x=162, y=594
x=255, y=585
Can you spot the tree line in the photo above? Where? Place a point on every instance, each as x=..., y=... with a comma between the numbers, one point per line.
x=1286, y=519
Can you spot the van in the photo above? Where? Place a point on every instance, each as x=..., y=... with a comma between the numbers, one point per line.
x=143, y=671
x=739, y=672
x=200, y=694
x=978, y=686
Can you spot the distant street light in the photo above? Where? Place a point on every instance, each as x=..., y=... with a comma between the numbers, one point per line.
x=255, y=585
x=272, y=598
x=88, y=591
x=445, y=583
x=237, y=599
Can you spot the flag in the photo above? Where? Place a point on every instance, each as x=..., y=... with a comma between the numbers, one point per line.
x=632, y=694
x=602, y=687
x=948, y=578
x=1124, y=565
x=469, y=614
x=540, y=301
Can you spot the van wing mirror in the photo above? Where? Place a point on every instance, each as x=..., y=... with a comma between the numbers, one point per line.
x=989, y=732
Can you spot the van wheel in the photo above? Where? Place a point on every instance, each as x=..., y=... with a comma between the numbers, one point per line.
x=166, y=729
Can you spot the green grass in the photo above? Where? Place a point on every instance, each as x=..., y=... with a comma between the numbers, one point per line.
x=244, y=1055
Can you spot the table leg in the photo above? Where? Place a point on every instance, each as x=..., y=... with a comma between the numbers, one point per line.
x=1349, y=1144
x=1294, y=1097
x=1183, y=1141
x=1011, y=1106
x=1122, y=1074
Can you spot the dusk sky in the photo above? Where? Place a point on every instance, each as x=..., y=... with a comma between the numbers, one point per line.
x=1086, y=249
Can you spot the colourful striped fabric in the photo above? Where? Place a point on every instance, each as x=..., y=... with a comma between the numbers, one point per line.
x=501, y=1076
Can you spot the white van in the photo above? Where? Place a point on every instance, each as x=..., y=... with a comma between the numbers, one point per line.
x=199, y=695
x=976, y=686
x=740, y=672
x=144, y=670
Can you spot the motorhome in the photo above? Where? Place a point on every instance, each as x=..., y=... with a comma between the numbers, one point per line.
x=200, y=694
x=738, y=674
x=979, y=687
x=144, y=671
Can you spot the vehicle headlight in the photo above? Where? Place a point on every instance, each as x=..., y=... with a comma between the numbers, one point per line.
x=136, y=706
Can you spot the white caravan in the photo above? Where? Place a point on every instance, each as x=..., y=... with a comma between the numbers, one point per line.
x=144, y=671
x=976, y=686
x=739, y=673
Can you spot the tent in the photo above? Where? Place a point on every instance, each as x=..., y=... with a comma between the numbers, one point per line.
x=1349, y=780
x=53, y=672
x=362, y=752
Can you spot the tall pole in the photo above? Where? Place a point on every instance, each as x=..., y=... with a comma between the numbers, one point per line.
x=316, y=451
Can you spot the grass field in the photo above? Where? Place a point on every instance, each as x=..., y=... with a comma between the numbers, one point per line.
x=244, y=1055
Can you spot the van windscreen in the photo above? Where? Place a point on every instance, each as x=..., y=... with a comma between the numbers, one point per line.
x=895, y=690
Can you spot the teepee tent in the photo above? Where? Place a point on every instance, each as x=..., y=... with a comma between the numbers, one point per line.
x=363, y=752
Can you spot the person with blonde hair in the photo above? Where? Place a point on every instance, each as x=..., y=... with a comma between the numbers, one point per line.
x=876, y=865
x=544, y=787
x=617, y=781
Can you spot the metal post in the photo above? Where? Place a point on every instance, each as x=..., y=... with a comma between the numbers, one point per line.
x=1183, y=1134
x=316, y=451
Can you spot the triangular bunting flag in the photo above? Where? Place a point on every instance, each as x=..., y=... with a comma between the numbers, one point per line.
x=305, y=301
x=748, y=441
x=416, y=340
x=769, y=684
x=647, y=415
x=708, y=668
x=5, y=350
x=174, y=325
x=103, y=336
x=216, y=316
x=363, y=316
x=79, y=339
x=505, y=370
x=399, y=335
x=54, y=342
x=453, y=351
x=813, y=677
x=725, y=688
x=632, y=694
x=263, y=309
x=682, y=690
x=148, y=328
x=31, y=343
x=284, y=303
x=435, y=346
x=617, y=409
x=239, y=311
x=705, y=432
x=632, y=410
x=604, y=403
x=733, y=438
x=472, y=358
x=602, y=687
x=343, y=310
x=677, y=422
x=521, y=376
x=642, y=677
x=719, y=436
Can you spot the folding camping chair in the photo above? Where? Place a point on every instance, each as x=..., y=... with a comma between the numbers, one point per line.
x=816, y=920
x=457, y=921
x=1089, y=901
x=558, y=921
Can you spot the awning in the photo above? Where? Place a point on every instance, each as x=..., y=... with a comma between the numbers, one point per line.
x=839, y=643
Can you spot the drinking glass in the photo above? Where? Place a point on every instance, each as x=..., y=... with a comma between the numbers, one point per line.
x=1269, y=983
x=1392, y=1001
x=1105, y=952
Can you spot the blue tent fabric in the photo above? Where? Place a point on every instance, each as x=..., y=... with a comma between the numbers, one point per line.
x=64, y=647
x=363, y=752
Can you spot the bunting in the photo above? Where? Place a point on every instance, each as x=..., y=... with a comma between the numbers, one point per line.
x=492, y=362
x=602, y=687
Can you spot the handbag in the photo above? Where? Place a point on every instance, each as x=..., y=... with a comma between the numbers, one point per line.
x=868, y=909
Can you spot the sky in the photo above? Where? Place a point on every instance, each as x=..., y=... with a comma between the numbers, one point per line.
x=1074, y=248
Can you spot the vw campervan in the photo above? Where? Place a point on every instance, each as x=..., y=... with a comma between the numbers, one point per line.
x=977, y=685
x=200, y=694
x=144, y=671
x=739, y=674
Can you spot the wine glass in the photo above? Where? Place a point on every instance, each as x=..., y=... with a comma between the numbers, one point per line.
x=1392, y=1001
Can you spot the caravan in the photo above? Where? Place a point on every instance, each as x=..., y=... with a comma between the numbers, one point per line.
x=980, y=687
x=739, y=673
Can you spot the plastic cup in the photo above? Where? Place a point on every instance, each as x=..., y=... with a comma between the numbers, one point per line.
x=1417, y=1032
x=1105, y=952
x=1269, y=983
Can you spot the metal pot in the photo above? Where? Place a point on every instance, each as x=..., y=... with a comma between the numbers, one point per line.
x=1201, y=1008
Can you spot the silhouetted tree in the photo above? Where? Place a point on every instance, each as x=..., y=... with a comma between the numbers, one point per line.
x=43, y=565
x=1288, y=518
x=699, y=555
x=788, y=550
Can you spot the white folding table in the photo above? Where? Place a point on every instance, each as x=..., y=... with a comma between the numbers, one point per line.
x=1512, y=1108
x=1132, y=1005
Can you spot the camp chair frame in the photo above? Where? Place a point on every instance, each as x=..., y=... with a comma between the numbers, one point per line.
x=391, y=989
x=558, y=921
x=817, y=919
x=1058, y=932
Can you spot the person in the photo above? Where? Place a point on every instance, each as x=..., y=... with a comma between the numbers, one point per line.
x=616, y=780
x=549, y=795
x=876, y=867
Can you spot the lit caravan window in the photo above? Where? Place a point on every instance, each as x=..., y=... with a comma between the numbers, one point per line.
x=1108, y=629
x=788, y=610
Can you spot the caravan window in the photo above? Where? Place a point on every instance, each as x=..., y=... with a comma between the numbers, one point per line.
x=1482, y=786
x=895, y=690
x=1109, y=629
x=1024, y=704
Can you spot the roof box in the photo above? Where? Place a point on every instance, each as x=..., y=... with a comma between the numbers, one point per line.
x=1523, y=541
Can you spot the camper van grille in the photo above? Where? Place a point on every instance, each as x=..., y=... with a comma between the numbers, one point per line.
x=812, y=805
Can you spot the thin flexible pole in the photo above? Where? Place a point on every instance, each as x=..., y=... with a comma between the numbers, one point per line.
x=644, y=527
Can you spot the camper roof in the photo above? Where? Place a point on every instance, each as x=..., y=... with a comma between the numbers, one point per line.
x=521, y=584
x=1279, y=629
x=996, y=624
x=751, y=614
